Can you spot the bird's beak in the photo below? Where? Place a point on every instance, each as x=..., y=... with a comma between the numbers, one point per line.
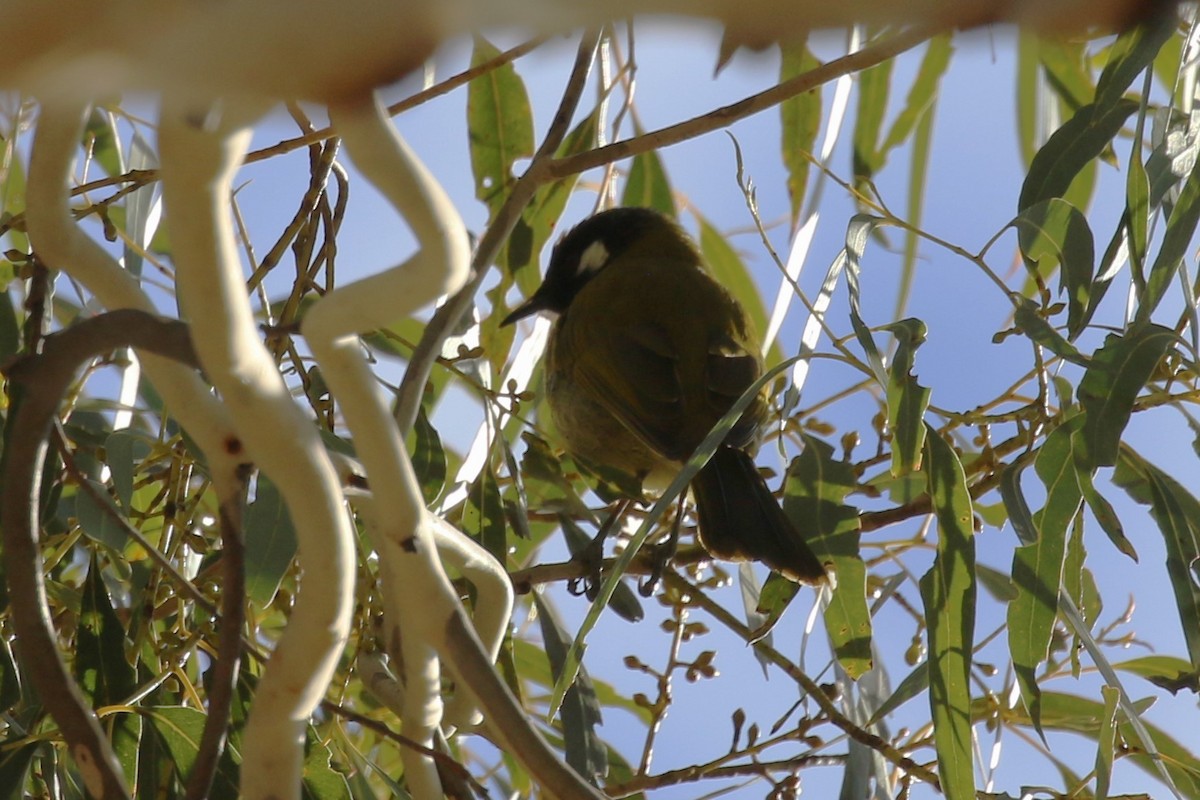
x=531, y=306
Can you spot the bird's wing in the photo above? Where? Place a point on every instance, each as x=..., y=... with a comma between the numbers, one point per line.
x=634, y=373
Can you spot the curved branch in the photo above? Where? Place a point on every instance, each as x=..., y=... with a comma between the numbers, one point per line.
x=198, y=164
x=38, y=384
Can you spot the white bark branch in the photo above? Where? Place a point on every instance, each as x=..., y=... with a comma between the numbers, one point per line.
x=198, y=164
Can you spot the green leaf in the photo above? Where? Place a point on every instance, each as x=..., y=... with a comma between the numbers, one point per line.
x=180, y=728
x=1177, y=240
x=124, y=452
x=913, y=684
x=1072, y=147
x=320, y=781
x=483, y=517
x=924, y=90
x=499, y=125
x=1027, y=316
x=1101, y=509
x=1177, y=513
x=1054, y=233
x=906, y=399
x=101, y=668
x=815, y=500
x=1132, y=52
x=874, y=85
x=647, y=185
x=922, y=146
x=948, y=592
x=1081, y=715
x=99, y=516
x=1063, y=61
x=270, y=542
x=16, y=754
x=585, y=750
x=800, y=119
x=1037, y=569
x=1168, y=672
x=1028, y=86
x=1137, y=218
x=428, y=457
x=1106, y=741
x=857, y=233
x=1110, y=386
x=1014, y=499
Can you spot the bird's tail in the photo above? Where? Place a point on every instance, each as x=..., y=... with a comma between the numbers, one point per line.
x=740, y=519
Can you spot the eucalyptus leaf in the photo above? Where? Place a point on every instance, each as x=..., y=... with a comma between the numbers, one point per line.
x=1071, y=148
x=1111, y=384
x=270, y=542
x=1037, y=570
x=907, y=400
x=948, y=592
x=815, y=500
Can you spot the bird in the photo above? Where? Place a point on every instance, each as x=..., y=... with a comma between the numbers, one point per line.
x=646, y=353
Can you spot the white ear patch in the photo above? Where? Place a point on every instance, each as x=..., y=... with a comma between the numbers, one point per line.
x=593, y=259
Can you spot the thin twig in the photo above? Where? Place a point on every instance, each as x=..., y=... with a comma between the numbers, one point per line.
x=726, y=115
x=815, y=692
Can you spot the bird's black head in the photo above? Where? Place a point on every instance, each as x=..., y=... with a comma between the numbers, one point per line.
x=588, y=248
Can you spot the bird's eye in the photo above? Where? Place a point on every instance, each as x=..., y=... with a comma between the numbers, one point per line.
x=592, y=259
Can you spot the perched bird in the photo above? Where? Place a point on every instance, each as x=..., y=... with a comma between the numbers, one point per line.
x=647, y=353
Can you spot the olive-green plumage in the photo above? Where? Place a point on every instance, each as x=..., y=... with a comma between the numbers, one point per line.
x=647, y=354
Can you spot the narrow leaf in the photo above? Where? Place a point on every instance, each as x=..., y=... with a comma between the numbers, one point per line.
x=815, y=500
x=270, y=542
x=647, y=185
x=1028, y=318
x=1101, y=509
x=1132, y=52
x=1175, y=243
x=1117, y=373
x=483, y=517
x=906, y=399
x=948, y=592
x=585, y=750
x=1054, y=233
x=428, y=457
x=499, y=125
x=1106, y=741
x=1014, y=499
x=857, y=232
x=923, y=92
x=1069, y=149
x=101, y=668
x=874, y=85
x=180, y=728
x=800, y=119
x=1038, y=567
x=1177, y=513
